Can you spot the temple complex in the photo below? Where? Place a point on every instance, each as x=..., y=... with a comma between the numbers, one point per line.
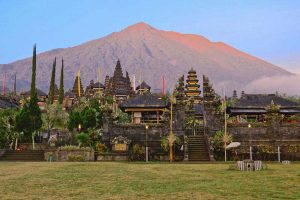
x=254, y=107
x=252, y=119
x=118, y=86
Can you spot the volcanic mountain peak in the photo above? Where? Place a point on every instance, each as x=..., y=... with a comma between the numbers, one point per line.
x=143, y=48
x=196, y=42
x=138, y=28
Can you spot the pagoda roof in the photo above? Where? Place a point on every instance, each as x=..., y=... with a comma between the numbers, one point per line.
x=144, y=101
x=262, y=101
x=143, y=85
x=96, y=85
x=122, y=91
x=192, y=71
x=192, y=85
x=6, y=102
x=70, y=93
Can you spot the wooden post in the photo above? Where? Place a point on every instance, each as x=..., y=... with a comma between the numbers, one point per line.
x=225, y=125
x=171, y=131
x=132, y=117
x=278, y=149
x=171, y=151
x=157, y=117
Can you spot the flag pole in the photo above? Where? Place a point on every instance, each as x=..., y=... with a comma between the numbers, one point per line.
x=133, y=80
x=99, y=80
x=225, y=125
x=163, y=85
x=78, y=76
x=140, y=82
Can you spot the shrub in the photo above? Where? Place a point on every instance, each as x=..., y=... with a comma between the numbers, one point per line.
x=75, y=158
x=83, y=139
x=74, y=148
x=101, y=147
x=138, y=152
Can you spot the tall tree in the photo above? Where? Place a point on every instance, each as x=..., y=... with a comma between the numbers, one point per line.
x=29, y=119
x=61, y=84
x=33, y=76
x=52, y=82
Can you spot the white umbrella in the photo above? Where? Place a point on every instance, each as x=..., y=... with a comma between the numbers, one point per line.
x=233, y=145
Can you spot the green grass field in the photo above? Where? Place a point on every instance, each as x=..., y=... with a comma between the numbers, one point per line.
x=112, y=180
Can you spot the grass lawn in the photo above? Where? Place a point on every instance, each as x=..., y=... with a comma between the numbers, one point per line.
x=112, y=180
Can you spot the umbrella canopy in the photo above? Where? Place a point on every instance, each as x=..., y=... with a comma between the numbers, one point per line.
x=233, y=145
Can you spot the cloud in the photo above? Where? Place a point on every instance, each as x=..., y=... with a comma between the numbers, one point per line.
x=289, y=85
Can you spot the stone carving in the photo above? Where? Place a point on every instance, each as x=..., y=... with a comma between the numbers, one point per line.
x=120, y=143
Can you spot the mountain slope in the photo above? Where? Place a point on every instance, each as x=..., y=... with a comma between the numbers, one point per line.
x=149, y=53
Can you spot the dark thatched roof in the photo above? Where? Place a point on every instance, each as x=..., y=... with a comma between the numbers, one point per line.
x=38, y=91
x=262, y=101
x=258, y=103
x=143, y=85
x=144, y=101
x=122, y=91
x=96, y=85
x=6, y=102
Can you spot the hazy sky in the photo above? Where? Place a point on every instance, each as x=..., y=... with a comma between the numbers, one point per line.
x=266, y=29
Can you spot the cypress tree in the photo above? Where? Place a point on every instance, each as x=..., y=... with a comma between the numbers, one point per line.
x=52, y=82
x=33, y=76
x=29, y=119
x=61, y=84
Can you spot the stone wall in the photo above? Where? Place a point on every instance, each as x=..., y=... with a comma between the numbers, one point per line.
x=2, y=151
x=136, y=132
x=214, y=120
x=262, y=134
x=63, y=155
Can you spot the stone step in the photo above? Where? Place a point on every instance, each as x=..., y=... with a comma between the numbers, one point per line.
x=27, y=155
x=197, y=148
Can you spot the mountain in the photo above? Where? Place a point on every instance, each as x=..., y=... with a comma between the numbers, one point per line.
x=149, y=53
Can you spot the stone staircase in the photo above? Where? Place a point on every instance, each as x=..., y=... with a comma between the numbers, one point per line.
x=197, y=148
x=24, y=155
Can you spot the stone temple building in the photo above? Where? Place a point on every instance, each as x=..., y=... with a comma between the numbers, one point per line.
x=118, y=86
x=150, y=118
x=94, y=89
x=252, y=119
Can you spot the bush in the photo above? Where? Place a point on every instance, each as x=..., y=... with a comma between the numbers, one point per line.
x=138, y=152
x=75, y=158
x=83, y=139
x=101, y=147
x=74, y=148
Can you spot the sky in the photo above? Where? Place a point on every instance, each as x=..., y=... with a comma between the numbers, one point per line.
x=266, y=29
